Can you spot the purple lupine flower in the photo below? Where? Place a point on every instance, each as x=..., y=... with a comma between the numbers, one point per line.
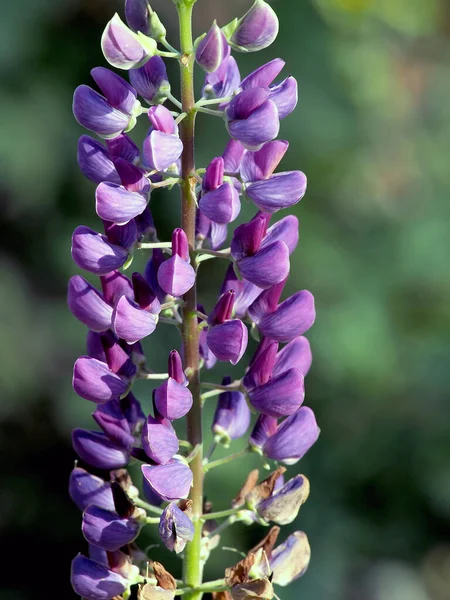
x=123, y=48
x=88, y=305
x=224, y=81
x=162, y=147
x=245, y=291
x=93, y=252
x=150, y=81
x=96, y=449
x=95, y=162
x=86, y=489
x=173, y=399
x=108, y=530
x=111, y=418
x=175, y=275
x=159, y=440
x=293, y=437
x=256, y=259
x=135, y=319
x=227, y=338
x=111, y=114
x=94, y=581
x=269, y=191
x=171, y=481
x=219, y=201
x=297, y=354
x=290, y=559
x=232, y=417
x=263, y=429
x=175, y=528
x=256, y=30
x=116, y=204
x=212, y=49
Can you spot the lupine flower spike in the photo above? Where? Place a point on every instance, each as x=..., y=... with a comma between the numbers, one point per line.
x=123, y=308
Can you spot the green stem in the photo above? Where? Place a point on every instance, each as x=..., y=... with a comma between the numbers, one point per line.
x=221, y=514
x=151, y=245
x=211, y=394
x=226, y=459
x=232, y=387
x=156, y=376
x=226, y=253
x=214, y=101
x=146, y=506
x=192, y=565
x=210, y=111
x=219, y=585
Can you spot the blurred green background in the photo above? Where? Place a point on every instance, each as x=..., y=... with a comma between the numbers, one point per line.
x=372, y=132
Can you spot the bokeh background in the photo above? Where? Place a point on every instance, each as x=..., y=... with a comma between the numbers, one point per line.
x=372, y=132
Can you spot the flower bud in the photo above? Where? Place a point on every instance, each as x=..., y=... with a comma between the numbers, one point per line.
x=232, y=417
x=142, y=18
x=94, y=581
x=212, y=49
x=290, y=559
x=171, y=481
x=228, y=341
x=150, y=81
x=123, y=48
x=175, y=275
x=175, y=528
x=256, y=30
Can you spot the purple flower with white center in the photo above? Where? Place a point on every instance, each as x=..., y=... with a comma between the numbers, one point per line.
x=162, y=146
x=171, y=481
x=232, y=417
x=290, y=559
x=219, y=201
x=86, y=489
x=175, y=275
x=227, y=338
x=123, y=48
x=256, y=30
x=173, y=399
x=271, y=192
x=293, y=437
x=111, y=114
x=175, y=528
x=150, y=81
x=212, y=49
x=133, y=320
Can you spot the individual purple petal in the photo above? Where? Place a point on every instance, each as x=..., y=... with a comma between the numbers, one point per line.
x=124, y=49
x=133, y=412
x=263, y=429
x=150, y=81
x=114, y=286
x=245, y=292
x=96, y=449
x=212, y=49
x=172, y=399
x=94, y=346
x=122, y=235
x=224, y=81
x=85, y=489
x=260, y=127
x=116, y=204
x=264, y=75
x=118, y=357
x=94, y=380
x=132, y=178
x=105, y=529
x=266, y=302
x=223, y=309
x=221, y=205
x=261, y=366
x=292, y=318
x=119, y=93
x=246, y=103
x=259, y=269
x=175, y=368
x=171, y=481
x=286, y=230
x=290, y=559
x=260, y=165
x=213, y=177
x=93, y=252
x=228, y=341
x=280, y=191
x=293, y=438
x=94, y=581
x=151, y=272
x=159, y=440
x=257, y=29
x=137, y=14
x=285, y=96
x=88, y=305
x=162, y=120
x=161, y=150
x=296, y=354
x=111, y=419
x=281, y=396
x=131, y=322
x=175, y=528
x=92, y=111
x=232, y=417
x=247, y=237
x=233, y=156
x=176, y=276
x=123, y=146
x=151, y=496
x=94, y=161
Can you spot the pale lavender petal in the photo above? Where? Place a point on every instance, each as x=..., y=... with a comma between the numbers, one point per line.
x=264, y=75
x=131, y=322
x=285, y=96
x=93, y=111
x=93, y=252
x=116, y=204
x=228, y=341
x=176, y=276
x=260, y=127
x=296, y=354
x=259, y=269
x=94, y=380
x=221, y=205
x=260, y=165
x=88, y=305
x=161, y=150
x=257, y=29
x=171, y=481
x=290, y=559
x=121, y=47
x=280, y=191
x=159, y=440
x=173, y=400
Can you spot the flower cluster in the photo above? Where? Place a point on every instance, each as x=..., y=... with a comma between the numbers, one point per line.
x=122, y=310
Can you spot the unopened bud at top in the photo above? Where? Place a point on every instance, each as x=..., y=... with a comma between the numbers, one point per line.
x=141, y=17
x=212, y=49
x=256, y=30
x=123, y=48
